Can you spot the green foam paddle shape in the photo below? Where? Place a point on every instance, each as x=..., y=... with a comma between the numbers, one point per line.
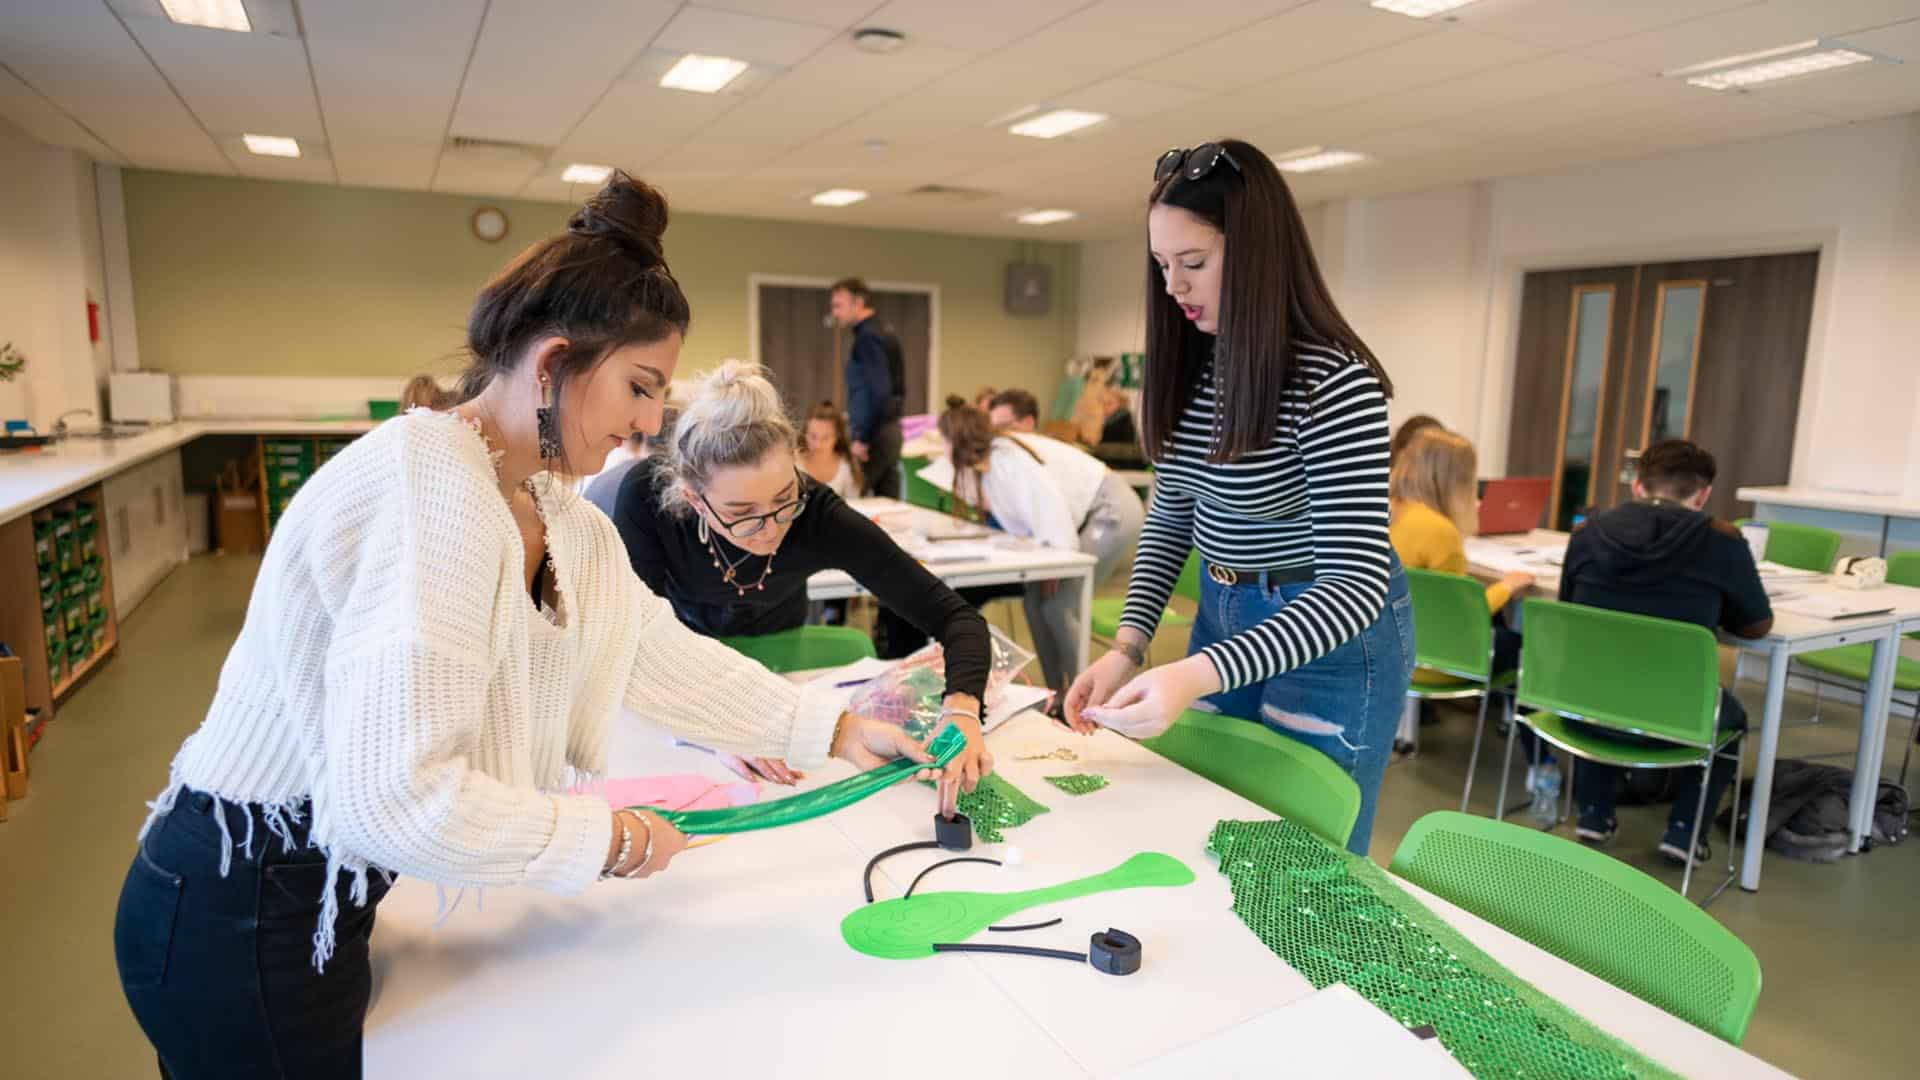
x=812, y=804
x=909, y=927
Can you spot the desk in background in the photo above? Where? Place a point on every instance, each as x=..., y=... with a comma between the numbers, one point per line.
x=1867, y=524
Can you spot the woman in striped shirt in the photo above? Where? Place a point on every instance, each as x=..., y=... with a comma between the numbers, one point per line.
x=1266, y=418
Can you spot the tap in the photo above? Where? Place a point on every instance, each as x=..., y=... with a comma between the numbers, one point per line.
x=60, y=422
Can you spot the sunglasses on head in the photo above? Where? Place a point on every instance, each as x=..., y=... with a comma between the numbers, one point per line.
x=1194, y=163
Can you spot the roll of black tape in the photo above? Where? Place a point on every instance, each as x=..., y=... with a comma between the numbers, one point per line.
x=1114, y=952
x=954, y=835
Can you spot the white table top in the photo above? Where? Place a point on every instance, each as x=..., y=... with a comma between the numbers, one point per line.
x=732, y=960
x=1539, y=552
x=1011, y=557
x=30, y=480
x=1853, y=502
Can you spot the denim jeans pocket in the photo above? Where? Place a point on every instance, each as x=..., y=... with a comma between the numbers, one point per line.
x=144, y=921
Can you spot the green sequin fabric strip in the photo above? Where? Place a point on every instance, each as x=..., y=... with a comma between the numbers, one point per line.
x=1085, y=783
x=996, y=806
x=1336, y=917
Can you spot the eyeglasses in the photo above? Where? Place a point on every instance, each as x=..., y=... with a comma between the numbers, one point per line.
x=1194, y=163
x=742, y=528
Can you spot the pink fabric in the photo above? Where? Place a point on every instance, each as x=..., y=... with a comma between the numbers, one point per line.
x=685, y=791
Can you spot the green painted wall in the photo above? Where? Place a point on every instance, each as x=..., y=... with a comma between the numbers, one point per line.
x=255, y=277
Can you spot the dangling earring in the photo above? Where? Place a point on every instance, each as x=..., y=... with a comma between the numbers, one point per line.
x=705, y=537
x=548, y=428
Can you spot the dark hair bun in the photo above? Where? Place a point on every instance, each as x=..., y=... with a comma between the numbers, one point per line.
x=955, y=401
x=629, y=212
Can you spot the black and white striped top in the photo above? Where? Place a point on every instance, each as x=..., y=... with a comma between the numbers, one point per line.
x=1317, y=496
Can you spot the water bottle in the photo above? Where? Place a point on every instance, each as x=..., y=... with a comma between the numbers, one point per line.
x=1546, y=795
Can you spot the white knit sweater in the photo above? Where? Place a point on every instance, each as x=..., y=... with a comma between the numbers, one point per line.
x=393, y=669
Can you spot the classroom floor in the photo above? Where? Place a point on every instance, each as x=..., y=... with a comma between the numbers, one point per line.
x=1838, y=943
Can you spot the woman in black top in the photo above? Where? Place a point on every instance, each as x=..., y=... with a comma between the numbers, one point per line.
x=727, y=528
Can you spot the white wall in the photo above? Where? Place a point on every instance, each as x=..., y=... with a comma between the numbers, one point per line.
x=1113, y=310
x=50, y=259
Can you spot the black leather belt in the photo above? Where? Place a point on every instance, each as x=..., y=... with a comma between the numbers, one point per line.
x=1278, y=575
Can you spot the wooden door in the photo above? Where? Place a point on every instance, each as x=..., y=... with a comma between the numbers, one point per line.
x=798, y=345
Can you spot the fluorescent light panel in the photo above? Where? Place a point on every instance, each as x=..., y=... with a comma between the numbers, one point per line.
x=1420, y=9
x=1765, y=71
x=838, y=197
x=578, y=173
x=271, y=145
x=1052, y=125
x=213, y=14
x=1044, y=217
x=1315, y=159
x=702, y=74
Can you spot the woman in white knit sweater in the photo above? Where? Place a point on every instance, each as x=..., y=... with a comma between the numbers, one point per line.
x=437, y=640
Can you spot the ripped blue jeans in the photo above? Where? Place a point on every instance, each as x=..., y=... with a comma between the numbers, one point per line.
x=1346, y=704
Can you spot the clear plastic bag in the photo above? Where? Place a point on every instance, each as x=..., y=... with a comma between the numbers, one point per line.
x=911, y=693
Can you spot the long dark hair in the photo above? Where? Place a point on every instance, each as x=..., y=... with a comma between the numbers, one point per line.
x=970, y=434
x=603, y=284
x=842, y=436
x=1272, y=298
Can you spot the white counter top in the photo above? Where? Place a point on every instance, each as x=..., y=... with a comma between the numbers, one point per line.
x=30, y=480
x=1852, y=502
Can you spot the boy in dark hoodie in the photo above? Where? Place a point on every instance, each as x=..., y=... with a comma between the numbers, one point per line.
x=1660, y=555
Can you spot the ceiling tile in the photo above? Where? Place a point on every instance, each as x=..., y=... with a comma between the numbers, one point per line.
x=534, y=75
x=754, y=38
x=38, y=119
x=636, y=123
x=1132, y=97
x=1448, y=54
x=835, y=14
x=1749, y=29
x=1567, y=24
x=978, y=25
x=388, y=74
x=235, y=83
x=1120, y=36
x=1294, y=40
x=375, y=161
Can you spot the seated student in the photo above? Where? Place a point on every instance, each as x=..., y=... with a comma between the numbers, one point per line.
x=826, y=450
x=423, y=392
x=1411, y=426
x=1660, y=555
x=1051, y=492
x=727, y=528
x=1117, y=424
x=1430, y=497
x=1014, y=409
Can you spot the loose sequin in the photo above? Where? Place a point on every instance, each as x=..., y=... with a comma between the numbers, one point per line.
x=1078, y=783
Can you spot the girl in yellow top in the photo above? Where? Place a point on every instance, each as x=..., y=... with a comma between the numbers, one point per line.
x=1433, y=507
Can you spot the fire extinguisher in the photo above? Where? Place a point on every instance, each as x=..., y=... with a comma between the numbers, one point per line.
x=93, y=319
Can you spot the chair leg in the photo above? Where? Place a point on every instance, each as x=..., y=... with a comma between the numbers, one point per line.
x=1817, y=684
x=1913, y=733
x=1506, y=767
x=1473, y=759
x=1734, y=831
x=1700, y=811
x=1407, y=739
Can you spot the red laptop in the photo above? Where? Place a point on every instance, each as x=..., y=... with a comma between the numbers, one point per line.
x=1514, y=504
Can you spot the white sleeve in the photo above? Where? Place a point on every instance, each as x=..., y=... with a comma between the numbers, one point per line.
x=1027, y=500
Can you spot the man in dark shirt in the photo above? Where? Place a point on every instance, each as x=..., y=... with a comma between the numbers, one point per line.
x=876, y=377
x=1660, y=555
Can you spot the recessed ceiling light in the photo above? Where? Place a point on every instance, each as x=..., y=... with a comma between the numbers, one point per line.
x=1420, y=9
x=578, y=173
x=1052, y=125
x=1770, y=65
x=702, y=74
x=838, y=197
x=213, y=14
x=1316, y=158
x=271, y=145
x=1044, y=217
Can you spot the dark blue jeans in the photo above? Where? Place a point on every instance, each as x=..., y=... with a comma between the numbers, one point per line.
x=219, y=969
x=1597, y=787
x=1346, y=704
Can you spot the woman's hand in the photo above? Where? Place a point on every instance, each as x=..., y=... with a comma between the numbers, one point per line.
x=772, y=770
x=667, y=842
x=871, y=743
x=966, y=770
x=1517, y=581
x=1094, y=687
x=1150, y=703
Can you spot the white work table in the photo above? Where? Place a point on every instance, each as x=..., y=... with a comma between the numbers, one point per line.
x=1538, y=552
x=32, y=479
x=1868, y=524
x=731, y=962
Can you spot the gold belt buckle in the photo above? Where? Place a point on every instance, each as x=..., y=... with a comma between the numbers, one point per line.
x=1223, y=575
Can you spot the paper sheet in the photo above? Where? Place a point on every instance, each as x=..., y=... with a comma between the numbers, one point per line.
x=1506, y=558
x=1822, y=605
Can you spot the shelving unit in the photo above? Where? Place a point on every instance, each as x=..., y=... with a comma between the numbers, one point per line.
x=65, y=626
x=286, y=464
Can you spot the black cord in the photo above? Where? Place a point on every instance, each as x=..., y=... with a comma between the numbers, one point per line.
x=1025, y=926
x=1017, y=950
x=866, y=879
x=947, y=862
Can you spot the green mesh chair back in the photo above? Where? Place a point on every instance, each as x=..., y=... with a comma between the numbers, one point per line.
x=1588, y=909
x=1264, y=767
x=1451, y=628
x=1651, y=676
x=1803, y=547
x=918, y=491
x=1903, y=568
x=805, y=648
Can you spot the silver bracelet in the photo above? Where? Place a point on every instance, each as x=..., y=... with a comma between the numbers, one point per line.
x=944, y=713
x=626, y=847
x=646, y=855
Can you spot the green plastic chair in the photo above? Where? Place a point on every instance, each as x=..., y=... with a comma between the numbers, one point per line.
x=804, y=648
x=1849, y=665
x=1652, y=677
x=1107, y=609
x=1264, y=767
x=1803, y=547
x=1453, y=643
x=1591, y=910
x=918, y=492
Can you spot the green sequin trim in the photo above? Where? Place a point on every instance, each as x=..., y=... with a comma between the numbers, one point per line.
x=1336, y=917
x=997, y=805
x=1085, y=783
